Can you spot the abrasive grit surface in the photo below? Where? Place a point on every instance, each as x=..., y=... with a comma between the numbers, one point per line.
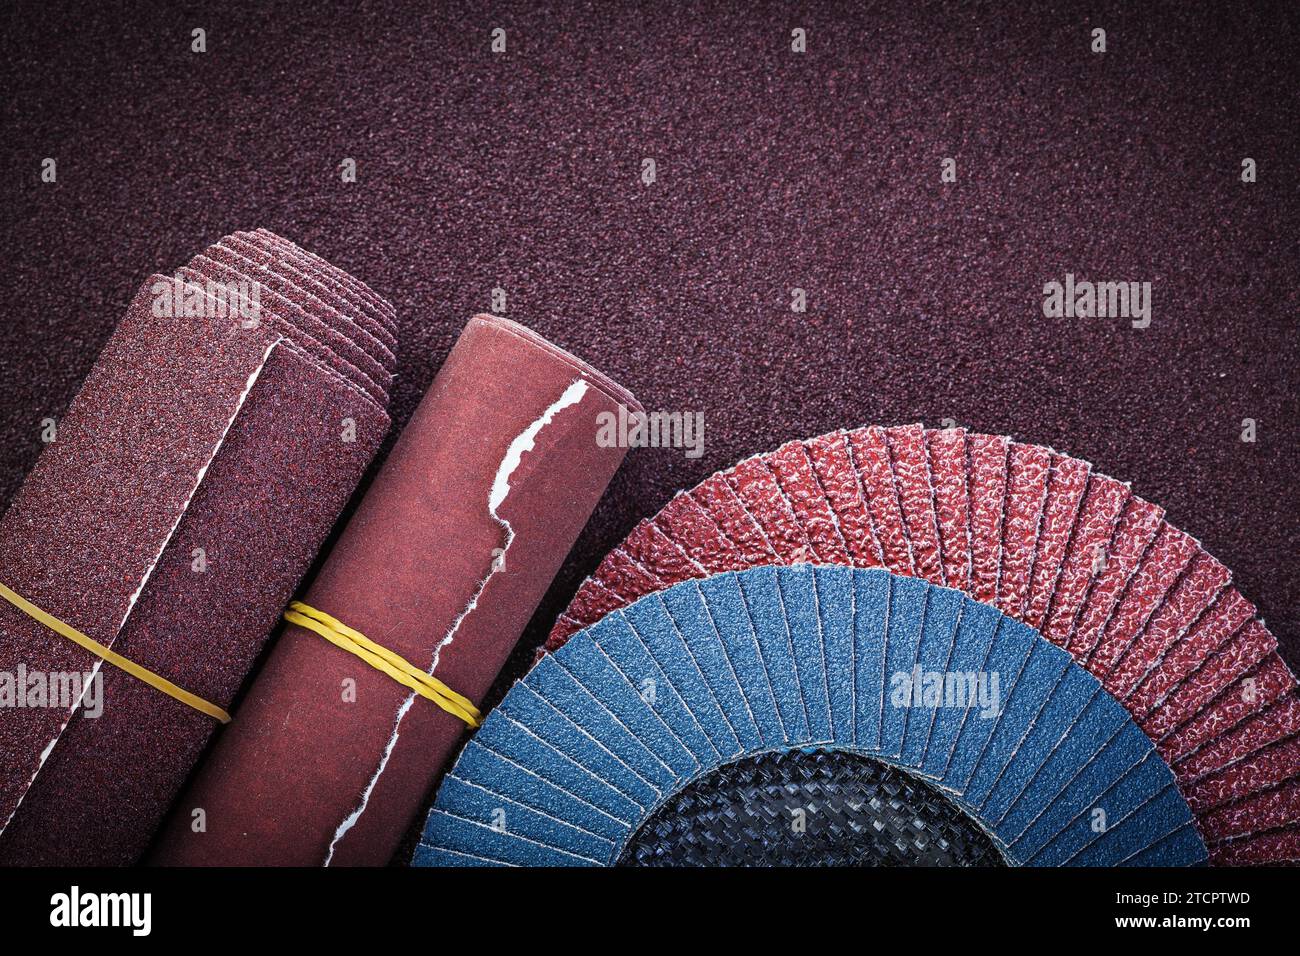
x=774, y=171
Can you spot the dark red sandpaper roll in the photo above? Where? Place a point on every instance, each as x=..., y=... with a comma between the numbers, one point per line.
x=444, y=562
x=155, y=523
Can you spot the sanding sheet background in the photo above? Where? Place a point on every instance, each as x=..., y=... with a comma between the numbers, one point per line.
x=774, y=171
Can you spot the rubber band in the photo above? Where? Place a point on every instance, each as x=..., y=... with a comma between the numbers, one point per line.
x=111, y=657
x=382, y=659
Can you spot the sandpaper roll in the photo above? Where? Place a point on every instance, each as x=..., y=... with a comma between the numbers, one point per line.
x=444, y=562
x=186, y=492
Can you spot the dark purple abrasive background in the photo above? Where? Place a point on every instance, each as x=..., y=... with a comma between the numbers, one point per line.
x=775, y=170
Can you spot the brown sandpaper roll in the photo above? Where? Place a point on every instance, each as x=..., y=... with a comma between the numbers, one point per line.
x=444, y=562
x=155, y=523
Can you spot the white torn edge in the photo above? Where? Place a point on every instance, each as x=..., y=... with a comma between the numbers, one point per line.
x=524, y=442
x=131, y=602
x=198, y=479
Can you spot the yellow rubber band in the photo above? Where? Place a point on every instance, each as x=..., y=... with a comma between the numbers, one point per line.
x=382, y=659
x=117, y=660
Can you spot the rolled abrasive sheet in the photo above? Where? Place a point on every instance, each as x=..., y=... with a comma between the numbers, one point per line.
x=444, y=562
x=188, y=489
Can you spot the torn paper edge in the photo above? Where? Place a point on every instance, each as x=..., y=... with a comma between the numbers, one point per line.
x=524, y=442
x=144, y=580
